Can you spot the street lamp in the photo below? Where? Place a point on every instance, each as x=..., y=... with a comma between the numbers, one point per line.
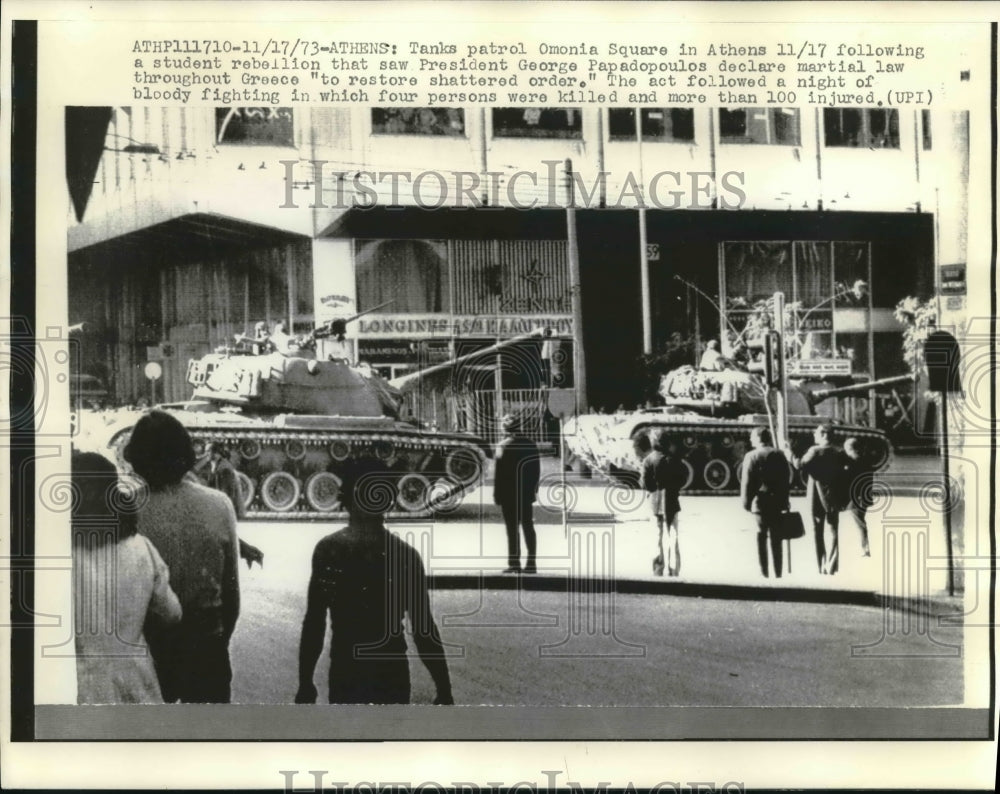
x=715, y=305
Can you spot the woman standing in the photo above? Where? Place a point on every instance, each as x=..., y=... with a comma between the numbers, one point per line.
x=119, y=580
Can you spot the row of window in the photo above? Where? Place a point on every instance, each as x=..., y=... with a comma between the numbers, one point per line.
x=875, y=128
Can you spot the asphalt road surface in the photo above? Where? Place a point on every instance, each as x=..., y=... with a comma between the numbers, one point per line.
x=524, y=647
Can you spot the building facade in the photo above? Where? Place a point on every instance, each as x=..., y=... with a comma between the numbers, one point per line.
x=446, y=230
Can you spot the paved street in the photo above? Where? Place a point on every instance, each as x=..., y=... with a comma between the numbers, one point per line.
x=718, y=635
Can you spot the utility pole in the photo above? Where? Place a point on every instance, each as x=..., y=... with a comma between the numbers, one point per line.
x=573, y=254
x=647, y=323
x=781, y=392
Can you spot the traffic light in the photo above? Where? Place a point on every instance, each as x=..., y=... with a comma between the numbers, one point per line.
x=769, y=362
x=774, y=361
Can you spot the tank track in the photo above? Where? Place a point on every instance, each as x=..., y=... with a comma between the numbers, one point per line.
x=294, y=474
x=712, y=451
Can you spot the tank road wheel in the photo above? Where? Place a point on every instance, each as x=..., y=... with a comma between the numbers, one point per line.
x=340, y=450
x=280, y=491
x=463, y=465
x=879, y=454
x=716, y=474
x=384, y=449
x=444, y=496
x=413, y=490
x=247, y=489
x=689, y=442
x=690, y=473
x=295, y=449
x=250, y=449
x=323, y=491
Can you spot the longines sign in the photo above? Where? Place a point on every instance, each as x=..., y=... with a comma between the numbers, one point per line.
x=421, y=326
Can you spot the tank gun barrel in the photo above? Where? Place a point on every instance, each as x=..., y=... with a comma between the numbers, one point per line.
x=857, y=388
x=405, y=381
x=334, y=327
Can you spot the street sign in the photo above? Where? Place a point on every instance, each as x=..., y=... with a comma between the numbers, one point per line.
x=819, y=367
x=153, y=370
x=953, y=280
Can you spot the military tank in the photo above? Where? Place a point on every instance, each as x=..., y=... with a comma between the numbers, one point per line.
x=710, y=414
x=291, y=420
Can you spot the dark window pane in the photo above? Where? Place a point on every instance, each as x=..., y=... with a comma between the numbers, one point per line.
x=418, y=121
x=786, y=126
x=925, y=118
x=621, y=124
x=537, y=123
x=683, y=123
x=874, y=128
x=775, y=126
x=733, y=125
x=658, y=124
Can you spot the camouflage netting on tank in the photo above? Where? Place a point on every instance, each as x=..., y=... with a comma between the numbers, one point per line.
x=734, y=390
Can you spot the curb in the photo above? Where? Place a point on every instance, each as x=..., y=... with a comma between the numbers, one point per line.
x=933, y=606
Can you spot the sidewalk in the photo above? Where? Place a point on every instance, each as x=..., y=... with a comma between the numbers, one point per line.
x=605, y=543
x=606, y=546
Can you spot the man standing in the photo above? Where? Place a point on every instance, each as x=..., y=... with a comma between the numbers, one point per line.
x=764, y=491
x=367, y=579
x=859, y=484
x=515, y=488
x=824, y=464
x=663, y=476
x=218, y=473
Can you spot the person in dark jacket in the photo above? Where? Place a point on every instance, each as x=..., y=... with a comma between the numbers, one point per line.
x=764, y=492
x=217, y=472
x=515, y=488
x=823, y=463
x=859, y=485
x=194, y=530
x=367, y=580
x=663, y=476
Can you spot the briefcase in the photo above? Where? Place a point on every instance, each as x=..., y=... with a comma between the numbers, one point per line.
x=790, y=526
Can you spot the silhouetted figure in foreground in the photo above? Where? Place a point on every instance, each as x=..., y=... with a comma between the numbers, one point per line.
x=368, y=579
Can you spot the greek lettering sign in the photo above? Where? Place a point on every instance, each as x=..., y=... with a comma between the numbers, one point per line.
x=423, y=326
x=953, y=279
x=819, y=367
